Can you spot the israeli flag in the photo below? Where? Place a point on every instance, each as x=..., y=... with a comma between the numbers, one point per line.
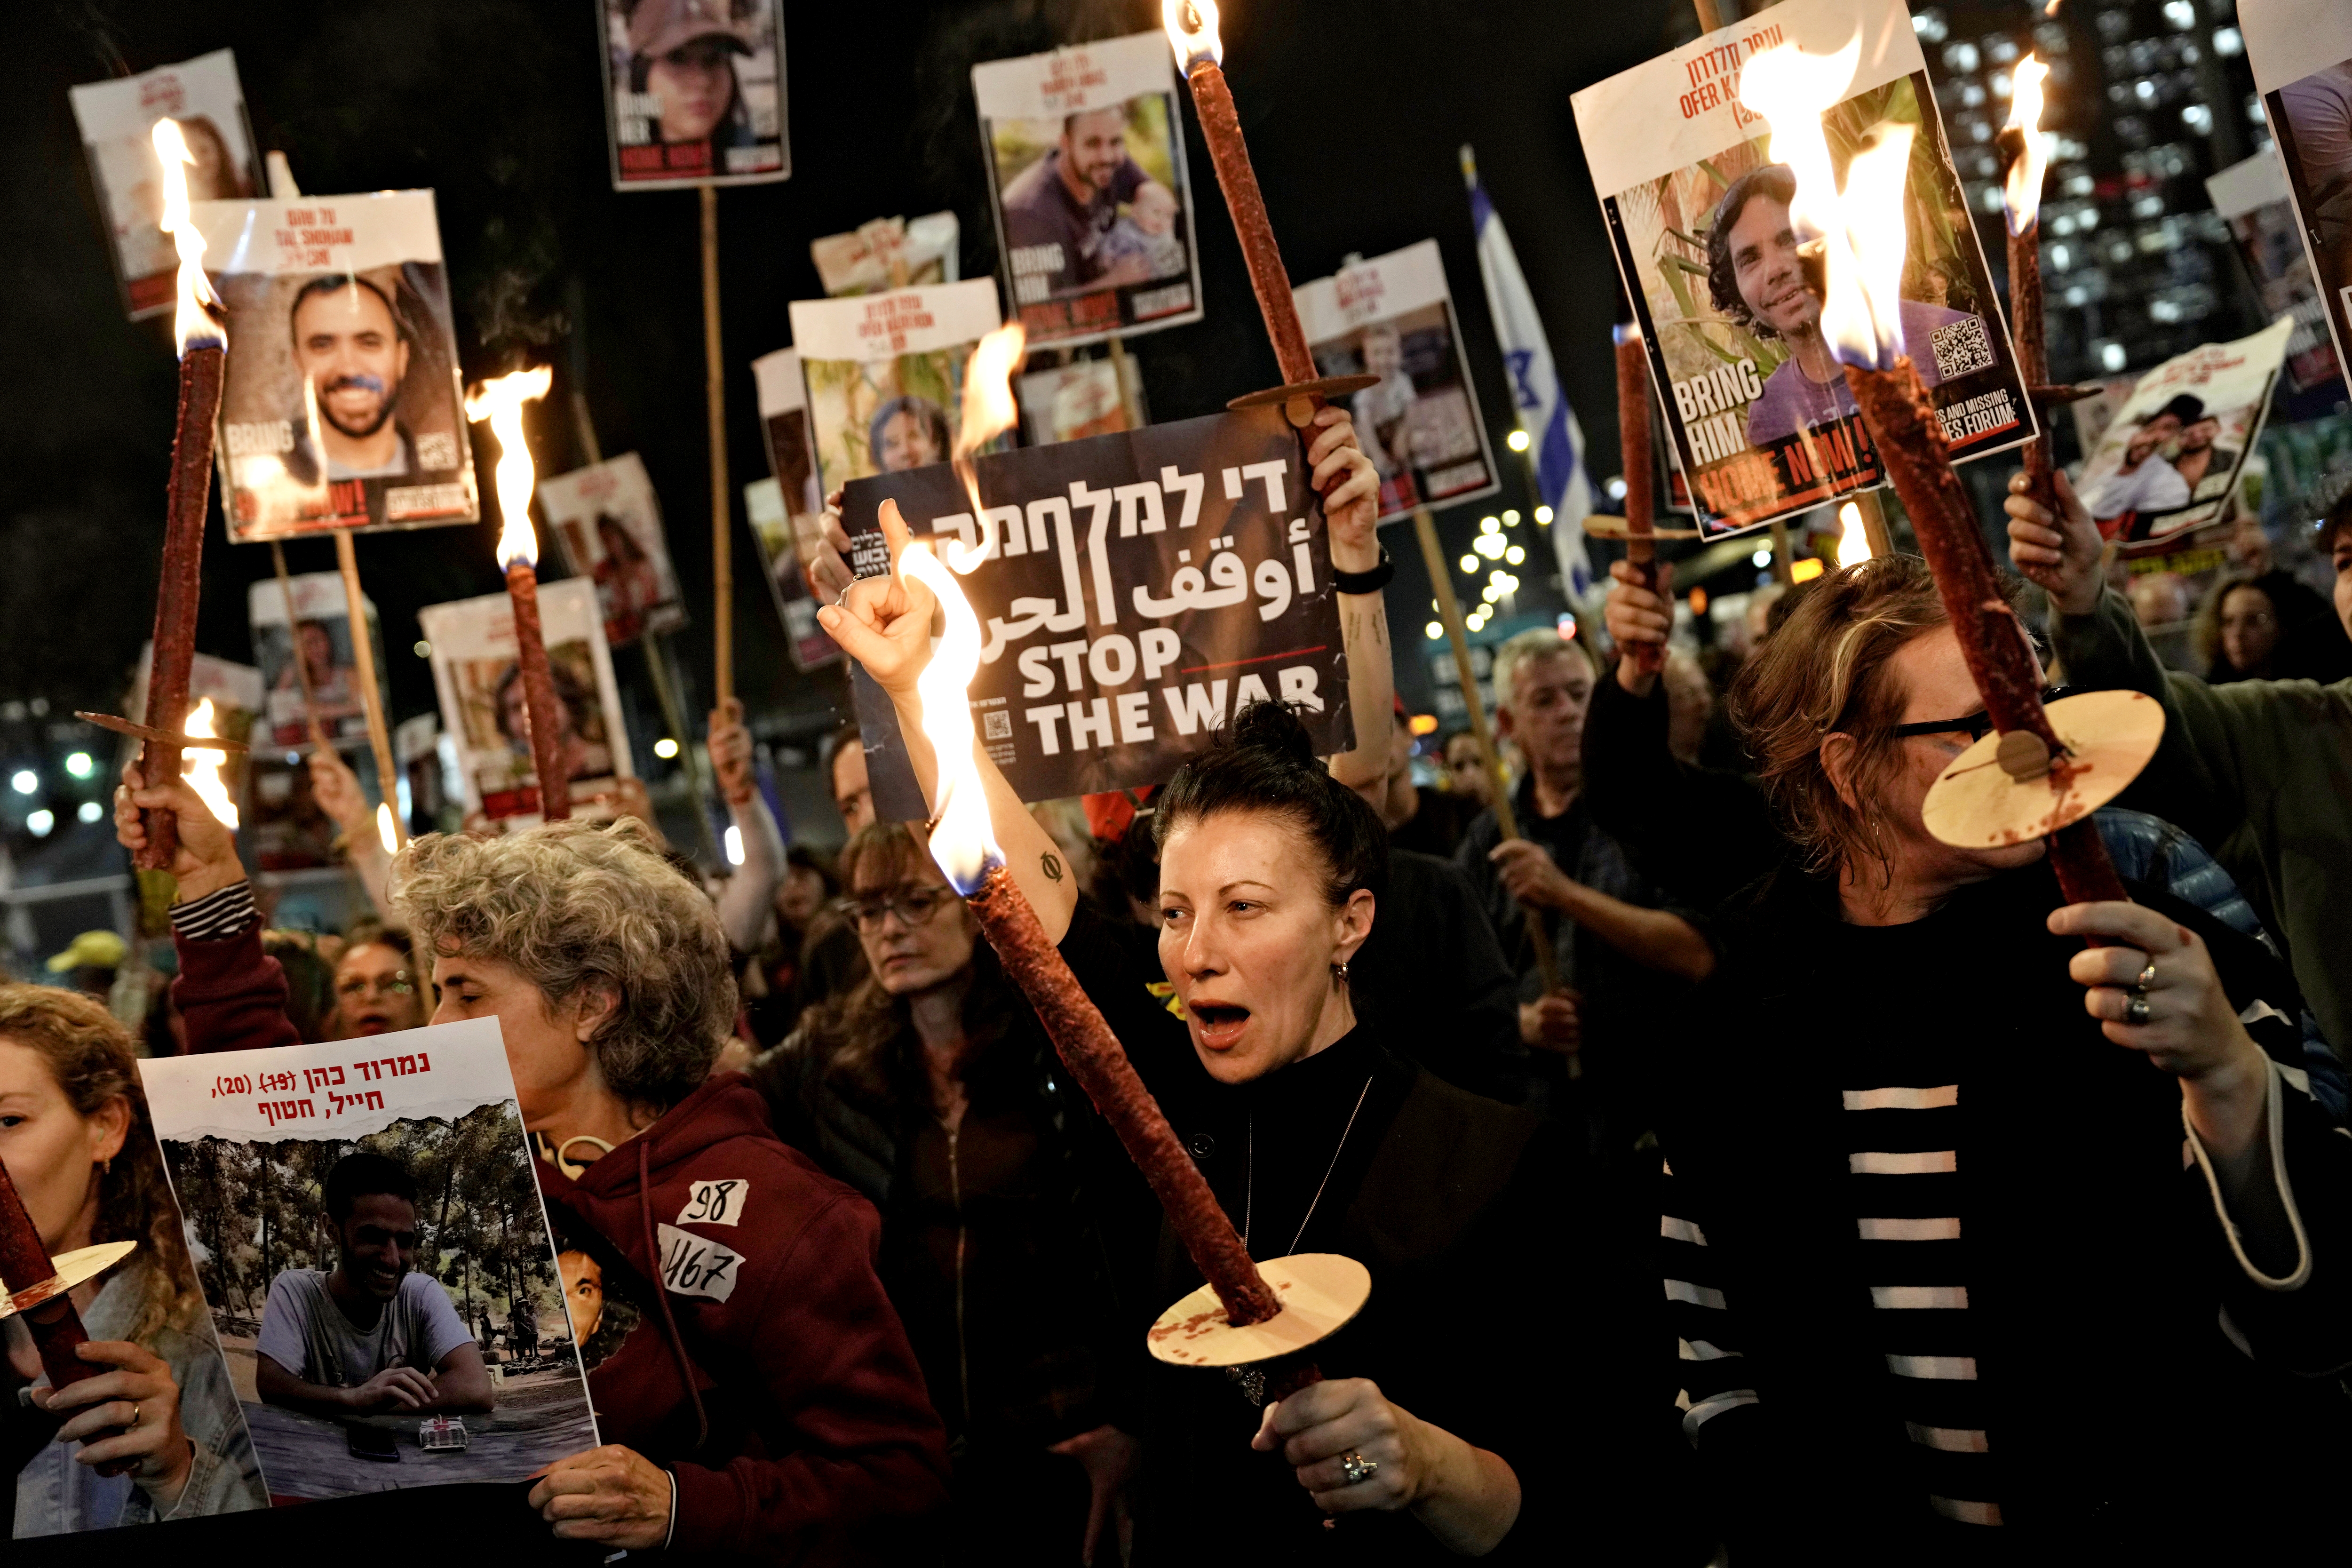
x=1543, y=411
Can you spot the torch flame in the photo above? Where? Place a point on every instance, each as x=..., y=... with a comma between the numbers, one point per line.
x=2023, y=193
x=197, y=324
x=385, y=830
x=202, y=765
x=988, y=412
x=961, y=842
x=1861, y=231
x=1193, y=33
x=1853, y=543
x=500, y=401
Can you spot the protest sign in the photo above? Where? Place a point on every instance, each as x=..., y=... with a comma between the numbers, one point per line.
x=2166, y=464
x=2254, y=198
x=1072, y=402
x=1393, y=317
x=1136, y=590
x=884, y=375
x=784, y=515
x=482, y=702
x=285, y=1161
x=341, y=405
x=1086, y=174
x=608, y=527
x=1756, y=408
x=322, y=632
x=694, y=93
x=888, y=253
x=2311, y=125
x=117, y=118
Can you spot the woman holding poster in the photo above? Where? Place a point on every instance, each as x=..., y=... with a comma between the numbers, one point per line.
x=157, y=1435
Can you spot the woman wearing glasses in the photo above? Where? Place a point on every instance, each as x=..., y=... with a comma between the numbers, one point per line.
x=376, y=984
x=1944, y=1260
x=1013, y=1227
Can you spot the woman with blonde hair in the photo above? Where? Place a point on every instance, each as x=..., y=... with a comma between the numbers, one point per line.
x=157, y=1435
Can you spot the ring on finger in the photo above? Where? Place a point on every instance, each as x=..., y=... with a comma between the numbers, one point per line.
x=1357, y=1469
x=135, y=1415
x=2147, y=977
x=2135, y=1007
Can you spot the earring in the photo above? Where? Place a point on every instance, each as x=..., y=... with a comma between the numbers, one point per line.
x=1339, y=972
x=106, y=1167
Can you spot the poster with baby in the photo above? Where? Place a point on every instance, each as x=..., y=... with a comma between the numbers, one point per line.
x=1393, y=317
x=1754, y=402
x=484, y=709
x=117, y=119
x=2167, y=465
x=882, y=376
x=1086, y=175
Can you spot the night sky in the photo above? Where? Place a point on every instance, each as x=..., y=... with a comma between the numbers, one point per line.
x=1353, y=111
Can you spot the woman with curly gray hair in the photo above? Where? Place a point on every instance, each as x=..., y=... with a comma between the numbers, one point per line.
x=764, y=1400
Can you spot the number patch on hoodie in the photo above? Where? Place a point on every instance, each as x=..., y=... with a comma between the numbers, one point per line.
x=696, y=1266
x=716, y=1203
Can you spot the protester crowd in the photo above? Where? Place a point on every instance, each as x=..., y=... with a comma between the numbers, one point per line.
x=1740, y=1169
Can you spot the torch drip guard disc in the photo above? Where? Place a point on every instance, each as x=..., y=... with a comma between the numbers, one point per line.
x=73, y=1268
x=2110, y=735
x=165, y=737
x=1319, y=1292
x=1326, y=387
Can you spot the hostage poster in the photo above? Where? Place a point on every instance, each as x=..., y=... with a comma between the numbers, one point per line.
x=483, y=707
x=117, y=119
x=1391, y=316
x=2166, y=464
x=393, y=1167
x=1085, y=151
x=608, y=525
x=2310, y=113
x=1136, y=590
x=1756, y=407
x=321, y=640
x=2255, y=199
x=884, y=375
x=784, y=509
x=694, y=93
x=341, y=406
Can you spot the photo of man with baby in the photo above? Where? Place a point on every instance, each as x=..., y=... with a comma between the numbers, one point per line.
x=1093, y=205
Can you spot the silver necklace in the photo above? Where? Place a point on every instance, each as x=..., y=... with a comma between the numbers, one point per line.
x=1249, y=1188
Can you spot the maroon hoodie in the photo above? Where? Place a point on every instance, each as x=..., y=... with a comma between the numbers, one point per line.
x=770, y=1377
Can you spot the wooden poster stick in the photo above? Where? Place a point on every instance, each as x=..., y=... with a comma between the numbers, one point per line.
x=723, y=562
x=371, y=698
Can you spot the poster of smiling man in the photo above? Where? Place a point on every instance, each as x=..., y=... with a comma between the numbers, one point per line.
x=1755, y=403
x=341, y=406
x=1086, y=171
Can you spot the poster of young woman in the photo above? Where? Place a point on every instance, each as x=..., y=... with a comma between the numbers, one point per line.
x=2310, y=124
x=392, y=1167
x=482, y=703
x=694, y=93
x=607, y=524
x=884, y=375
x=1393, y=317
x=1085, y=173
x=1752, y=398
x=341, y=406
x=117, y=118
x=321, y=636
x=2254, y=198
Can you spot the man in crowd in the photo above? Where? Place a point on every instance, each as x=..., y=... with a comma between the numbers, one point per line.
x=373, y=1336
x=1594, y=903
x=348, y=346
x=2259, y=771
x=1069, y=199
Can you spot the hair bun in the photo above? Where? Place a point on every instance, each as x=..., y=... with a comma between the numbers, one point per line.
x=1271, y=726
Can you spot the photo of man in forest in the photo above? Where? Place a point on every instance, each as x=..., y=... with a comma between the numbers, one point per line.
x=373, y=1336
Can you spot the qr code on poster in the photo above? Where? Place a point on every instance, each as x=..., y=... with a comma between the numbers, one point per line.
x=1962, y=346
x=996, y=726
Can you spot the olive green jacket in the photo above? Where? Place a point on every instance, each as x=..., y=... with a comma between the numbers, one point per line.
x=2261, y=773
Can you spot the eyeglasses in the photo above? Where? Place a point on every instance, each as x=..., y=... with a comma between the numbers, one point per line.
x=913, y=904
x=397, y=984
x=1976, y=726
